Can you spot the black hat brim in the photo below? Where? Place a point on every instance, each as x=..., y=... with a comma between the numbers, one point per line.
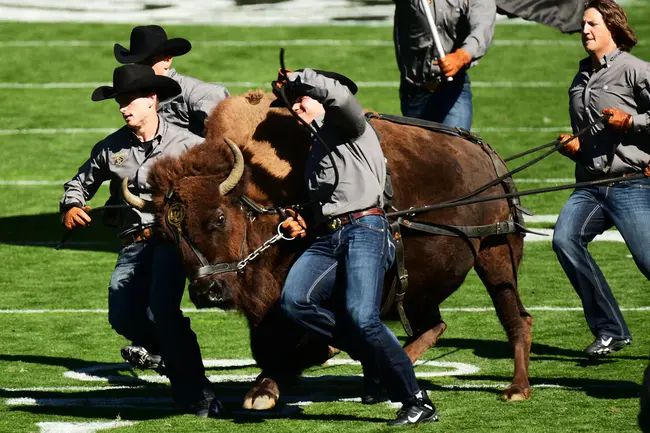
x=172, y=47
x=164, y=87
x=334, y=75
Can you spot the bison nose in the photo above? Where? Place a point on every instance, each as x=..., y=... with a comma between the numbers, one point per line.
x=210, y=293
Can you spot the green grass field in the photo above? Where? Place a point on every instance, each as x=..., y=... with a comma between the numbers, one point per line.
x=52, y=321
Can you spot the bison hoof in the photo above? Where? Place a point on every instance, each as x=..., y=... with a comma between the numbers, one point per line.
x=515, y=393
x=262, y=396
x=264, y=402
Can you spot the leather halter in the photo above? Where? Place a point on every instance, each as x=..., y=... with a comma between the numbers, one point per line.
x=174, y=220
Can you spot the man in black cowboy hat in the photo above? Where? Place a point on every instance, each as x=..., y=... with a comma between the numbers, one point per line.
x=150, y=46
x=352, y=249
x=148, y=277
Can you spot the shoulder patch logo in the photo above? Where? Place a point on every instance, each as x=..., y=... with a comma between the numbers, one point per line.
x=118, y=158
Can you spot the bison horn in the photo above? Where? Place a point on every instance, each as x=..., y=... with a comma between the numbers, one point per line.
x=236, y=172
x=135, y=201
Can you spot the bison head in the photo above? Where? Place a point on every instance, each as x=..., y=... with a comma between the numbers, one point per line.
x=205, y=221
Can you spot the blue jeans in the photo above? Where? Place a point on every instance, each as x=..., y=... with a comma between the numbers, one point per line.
x=348, y=266
x=589, y=212
x=450, y=104
x=150, y=274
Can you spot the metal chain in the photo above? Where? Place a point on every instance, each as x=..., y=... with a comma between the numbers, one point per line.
x=252, y=256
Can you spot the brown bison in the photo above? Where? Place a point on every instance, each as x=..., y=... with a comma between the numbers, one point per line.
x=218, y=203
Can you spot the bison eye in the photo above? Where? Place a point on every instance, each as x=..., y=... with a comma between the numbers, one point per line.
x=217, y=222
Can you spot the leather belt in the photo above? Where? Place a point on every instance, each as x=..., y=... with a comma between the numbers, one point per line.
x=138, y=236
x=339, y=221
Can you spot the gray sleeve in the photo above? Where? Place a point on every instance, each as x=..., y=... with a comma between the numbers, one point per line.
x=87, y=181
x=642, y=121
x=340, y=104
x=482, y=17
x=203, y=97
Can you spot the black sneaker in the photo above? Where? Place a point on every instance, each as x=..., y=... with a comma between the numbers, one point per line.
x=209, y=407
x=415, y=411
x=604, y=345
x=139, y=357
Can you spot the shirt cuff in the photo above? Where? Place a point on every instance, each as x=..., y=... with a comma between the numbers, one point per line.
x=471, y=46
x=640, y=122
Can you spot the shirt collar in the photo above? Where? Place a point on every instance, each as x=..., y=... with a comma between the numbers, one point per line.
x=157, y=138
x=171, y=73
x=607, y=59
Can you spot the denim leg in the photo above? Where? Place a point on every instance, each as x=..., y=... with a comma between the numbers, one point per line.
x=128, y=296
x=450, y=104
x=178, y=343
x=628, y=205
x=581, y=219
x=460, y=113
x=310, y=282
x=366, y=260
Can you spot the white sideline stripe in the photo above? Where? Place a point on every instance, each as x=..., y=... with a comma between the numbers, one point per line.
x=73, y=388
x=541, y=218
x=48, y=131
x=80, y=427
x=216, y=310
x=366, y=84
x=552, y=180
x=51, y=131
x=101, y=311
x=280, y=43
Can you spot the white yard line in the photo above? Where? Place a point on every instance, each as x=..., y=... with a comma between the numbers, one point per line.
x=216, y=310
x=53, y=131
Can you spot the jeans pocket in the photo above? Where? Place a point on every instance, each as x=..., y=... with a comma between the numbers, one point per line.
x=372, y=222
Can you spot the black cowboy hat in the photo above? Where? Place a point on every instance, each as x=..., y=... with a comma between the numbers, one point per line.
x=150, y=41
x=137, y=78
x=334, y=75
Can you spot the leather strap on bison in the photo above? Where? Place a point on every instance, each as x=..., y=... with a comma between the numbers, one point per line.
x=514, y=224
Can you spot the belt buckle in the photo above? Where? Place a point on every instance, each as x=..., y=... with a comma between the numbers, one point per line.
x=334, y=224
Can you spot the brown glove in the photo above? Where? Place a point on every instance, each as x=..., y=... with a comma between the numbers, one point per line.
x=76, y=217
x=620, y=120
x=570, y=148
x=647, y=170
x=282, y=79
x=294, y=225
x=454, y=62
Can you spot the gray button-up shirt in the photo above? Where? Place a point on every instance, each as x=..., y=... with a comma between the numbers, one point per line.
x=196, y=101
x=467, y=24
x=620, y=81
x=355, y=149
x=121, y=155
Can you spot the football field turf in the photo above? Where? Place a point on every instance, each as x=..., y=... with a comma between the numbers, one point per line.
x=60, y=367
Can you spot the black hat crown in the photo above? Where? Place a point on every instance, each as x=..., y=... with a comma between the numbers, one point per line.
x=150, y=41
x=137, y=78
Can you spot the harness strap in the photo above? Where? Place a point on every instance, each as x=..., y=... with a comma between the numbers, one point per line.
x=499, y=228
x=427, y=124
x=264, y=210
x=400, y=282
